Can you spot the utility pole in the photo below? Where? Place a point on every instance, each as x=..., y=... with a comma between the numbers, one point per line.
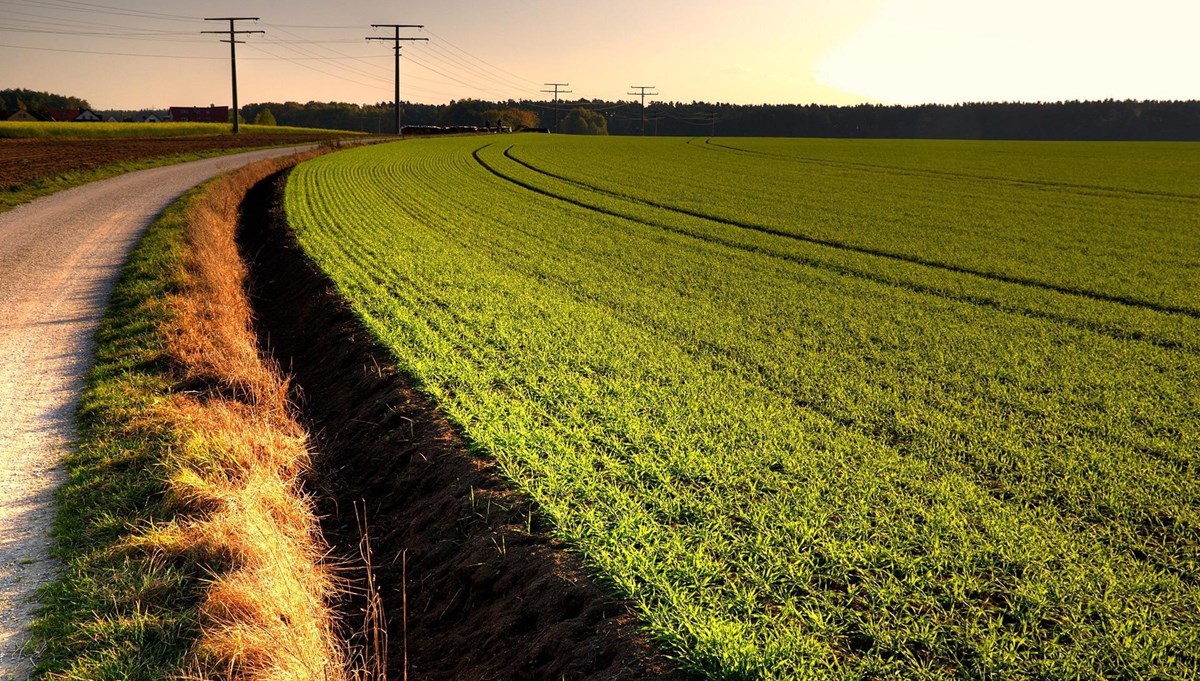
x=233, y=41
x=643, y=94
x=556, y=92
x=396, y=40
x=714, y=124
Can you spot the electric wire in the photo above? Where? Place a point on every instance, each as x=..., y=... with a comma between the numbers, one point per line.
x=450, y=44
x=443, y=65
x=88, y=7
x=114, y=54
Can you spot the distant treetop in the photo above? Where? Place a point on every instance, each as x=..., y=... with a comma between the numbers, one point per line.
x=33, y=100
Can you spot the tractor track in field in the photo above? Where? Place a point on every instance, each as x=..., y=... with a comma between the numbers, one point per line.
x=879, y=253
x=1115, y=333
x=1068, y=187
x=59, y=258
x=490, y=593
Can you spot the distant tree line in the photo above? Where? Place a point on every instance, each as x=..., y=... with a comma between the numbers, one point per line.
x=380, y=118
x=13, y=99
x=1100, y=120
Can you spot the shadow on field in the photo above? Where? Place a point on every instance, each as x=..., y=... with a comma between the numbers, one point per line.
x=489, y=594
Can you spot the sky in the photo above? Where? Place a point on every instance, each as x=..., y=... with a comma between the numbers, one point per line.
x=131, y=54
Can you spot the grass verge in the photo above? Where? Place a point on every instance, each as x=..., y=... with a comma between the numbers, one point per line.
x=116, y=612
x=188, y=548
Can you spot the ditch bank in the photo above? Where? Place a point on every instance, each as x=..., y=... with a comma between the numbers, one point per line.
x=472, y=583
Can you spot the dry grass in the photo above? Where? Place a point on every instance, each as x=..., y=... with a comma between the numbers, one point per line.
x=265, y=613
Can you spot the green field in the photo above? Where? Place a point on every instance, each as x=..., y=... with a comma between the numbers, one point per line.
x=105, y=130
x=821, y=408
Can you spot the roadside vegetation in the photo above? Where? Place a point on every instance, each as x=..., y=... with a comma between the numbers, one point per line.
x=820, y=408
x=188, y=546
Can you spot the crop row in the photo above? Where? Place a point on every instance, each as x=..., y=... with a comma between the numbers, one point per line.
x=796, y=459
x=1134, y=246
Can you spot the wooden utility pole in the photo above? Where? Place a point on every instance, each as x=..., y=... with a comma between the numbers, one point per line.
x=643, y=94
x=233, y=41
x=396, y=40
x=556, y=92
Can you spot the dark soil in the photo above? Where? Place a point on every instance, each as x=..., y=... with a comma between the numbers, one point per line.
x=490, y=595
x=23, y=160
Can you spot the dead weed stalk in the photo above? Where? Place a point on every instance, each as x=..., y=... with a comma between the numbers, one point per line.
x=266, y=612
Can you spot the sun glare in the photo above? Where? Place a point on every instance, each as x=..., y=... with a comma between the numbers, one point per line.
x=916, y=51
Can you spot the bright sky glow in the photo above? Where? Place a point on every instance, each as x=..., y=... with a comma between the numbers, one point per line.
x=914, y=51
x=144, y=53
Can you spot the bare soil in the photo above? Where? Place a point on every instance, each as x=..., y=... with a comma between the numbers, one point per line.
x=23, y=160
x=489, y=595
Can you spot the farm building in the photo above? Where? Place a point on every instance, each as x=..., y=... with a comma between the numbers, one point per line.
x=19, y=115
x=76, y=115
x=200, y=114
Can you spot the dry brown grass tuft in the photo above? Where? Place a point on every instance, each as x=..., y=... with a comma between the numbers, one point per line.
x=265, y=613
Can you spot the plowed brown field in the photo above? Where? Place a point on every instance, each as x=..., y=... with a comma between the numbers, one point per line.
x=24, y=160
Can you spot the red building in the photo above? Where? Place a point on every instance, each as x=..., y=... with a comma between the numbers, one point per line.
x=200, y=114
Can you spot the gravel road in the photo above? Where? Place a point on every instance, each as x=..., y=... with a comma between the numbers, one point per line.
x=59, y=257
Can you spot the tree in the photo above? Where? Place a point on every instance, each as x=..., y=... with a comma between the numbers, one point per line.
x=35, y=100
x=584, y=122
x=517, y=119
x=264, y=117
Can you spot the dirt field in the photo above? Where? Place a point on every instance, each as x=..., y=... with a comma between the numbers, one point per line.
x=24, y=160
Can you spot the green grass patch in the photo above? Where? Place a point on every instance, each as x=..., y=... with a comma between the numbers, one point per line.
x=822, y=409
x=108, y=130
x=118, y=612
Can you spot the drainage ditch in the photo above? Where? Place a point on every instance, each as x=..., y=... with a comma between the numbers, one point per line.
x=488, y=594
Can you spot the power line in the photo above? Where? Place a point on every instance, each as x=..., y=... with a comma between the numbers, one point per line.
x=446, y=64
x=606, y=107
x=159, y=37
x=298, y=62
x=355, y=27
x=436, y=48
x=233, y=41
x=72, y=6
x=643, y=95
x=108, y=54
x=295, y=46
x=460, y=81
x=76, y=23
x=481, y=61
x=448, y=60
x=396, y=40
x=486, y=74
x=556, y=92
